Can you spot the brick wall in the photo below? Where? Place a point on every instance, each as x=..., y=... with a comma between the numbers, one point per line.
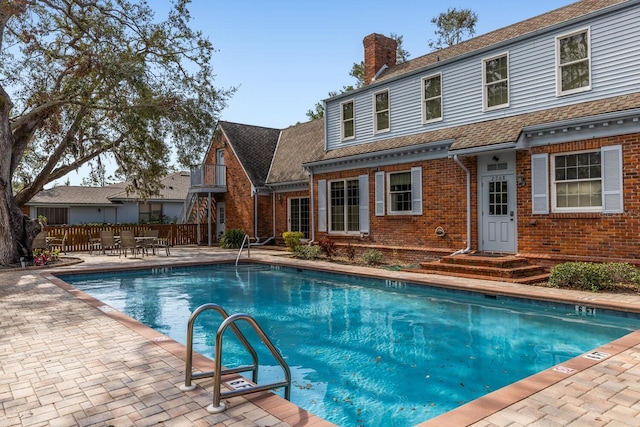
x=413, y=237
x=589, y=235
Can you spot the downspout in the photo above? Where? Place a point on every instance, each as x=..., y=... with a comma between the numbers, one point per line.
x=468, y=248
x=255, y=214
x=313, y=210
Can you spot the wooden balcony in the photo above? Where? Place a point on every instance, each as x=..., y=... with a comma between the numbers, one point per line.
x=209, y=178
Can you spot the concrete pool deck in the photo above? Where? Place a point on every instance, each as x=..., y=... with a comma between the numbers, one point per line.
x=68, y=360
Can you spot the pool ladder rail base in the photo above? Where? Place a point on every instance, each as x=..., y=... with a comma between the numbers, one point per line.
x=218, y=372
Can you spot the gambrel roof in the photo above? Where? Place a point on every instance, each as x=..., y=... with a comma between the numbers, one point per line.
x=253, y=146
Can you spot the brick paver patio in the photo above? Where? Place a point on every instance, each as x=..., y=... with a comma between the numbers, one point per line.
x=66, y=360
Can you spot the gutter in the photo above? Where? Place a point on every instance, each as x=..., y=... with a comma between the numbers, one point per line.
x=468, y=248
x=313, y=209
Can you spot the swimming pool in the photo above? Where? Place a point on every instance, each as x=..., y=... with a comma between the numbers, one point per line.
x=364, y=351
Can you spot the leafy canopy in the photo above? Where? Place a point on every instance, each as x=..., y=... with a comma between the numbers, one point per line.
x=88, y=78
x=453, y=26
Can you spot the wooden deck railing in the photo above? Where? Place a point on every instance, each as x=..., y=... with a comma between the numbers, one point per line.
x=78, y=235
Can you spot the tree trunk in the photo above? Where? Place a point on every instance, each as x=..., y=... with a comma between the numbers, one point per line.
x=16, y=229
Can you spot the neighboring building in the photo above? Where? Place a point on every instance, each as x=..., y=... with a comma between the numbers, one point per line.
x=523, y=140
x=73, y=205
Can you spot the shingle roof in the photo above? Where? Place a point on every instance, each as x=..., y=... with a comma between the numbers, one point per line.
x=176, y=188
x=254, y=146
x=298, y=144
x=536, y=23
x=494, y=131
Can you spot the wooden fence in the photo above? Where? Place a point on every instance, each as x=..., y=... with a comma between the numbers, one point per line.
x=78, y=236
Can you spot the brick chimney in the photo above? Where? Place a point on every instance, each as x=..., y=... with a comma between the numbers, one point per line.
x=379, y=50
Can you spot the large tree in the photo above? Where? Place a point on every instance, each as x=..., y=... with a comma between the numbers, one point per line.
x=453, y=26
x=80, y=79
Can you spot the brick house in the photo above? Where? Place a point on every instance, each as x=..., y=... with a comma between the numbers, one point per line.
x=522, y=141
x=231, y=181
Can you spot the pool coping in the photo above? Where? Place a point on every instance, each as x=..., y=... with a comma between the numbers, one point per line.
x=467, y=414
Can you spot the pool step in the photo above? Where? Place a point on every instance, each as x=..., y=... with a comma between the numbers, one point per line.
x=508, y=268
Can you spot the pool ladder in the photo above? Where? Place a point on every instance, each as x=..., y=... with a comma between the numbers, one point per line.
x=218, y=372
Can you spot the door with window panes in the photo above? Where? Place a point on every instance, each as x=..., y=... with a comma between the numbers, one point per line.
x=498, y=204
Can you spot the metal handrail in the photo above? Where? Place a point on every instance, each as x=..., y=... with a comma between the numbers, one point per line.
x=189, y=375
x=245, y=239
x=217, y=406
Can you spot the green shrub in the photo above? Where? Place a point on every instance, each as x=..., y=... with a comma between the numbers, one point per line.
x=307, y=252
x=292, y=238
x=232, y=239
x=372, y=257
x=593, y=276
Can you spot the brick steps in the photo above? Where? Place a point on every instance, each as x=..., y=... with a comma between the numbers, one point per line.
x=506, y=268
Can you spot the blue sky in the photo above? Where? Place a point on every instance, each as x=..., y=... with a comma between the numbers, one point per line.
x=286, y=55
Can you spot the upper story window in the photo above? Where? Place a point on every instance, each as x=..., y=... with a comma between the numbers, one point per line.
x=347, y=120
x=400, y=192
x=573, y=59
x=432, y=98
x=577, y=182
x=495, y=81
x=381, y=101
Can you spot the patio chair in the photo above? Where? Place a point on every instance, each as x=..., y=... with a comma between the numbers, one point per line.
x=164, y=242
x=59, y=243
x=128, y=242
x=95, y=243
x=150, y=243
x=108, y=241
x=40, y=241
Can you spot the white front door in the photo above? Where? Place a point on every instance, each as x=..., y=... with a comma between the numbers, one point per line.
x=498, y=204
x=220, y=220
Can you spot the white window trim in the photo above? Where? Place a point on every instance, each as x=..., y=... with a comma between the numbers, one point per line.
x=559, y=91
x=485, y=97
x=375, y=113
x=554, y=207
x=424, y=100
x=342, y=120
x=289, y=200
x=330, y=229
x=390, y=211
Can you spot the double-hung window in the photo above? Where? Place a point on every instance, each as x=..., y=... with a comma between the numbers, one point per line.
x=584, y=181
x=578, y=181
x=432, y=98
x=344, y=206
x=399, y=192
x=495, y=81
x=573, y=59
x=381, y=105
x=348, y=120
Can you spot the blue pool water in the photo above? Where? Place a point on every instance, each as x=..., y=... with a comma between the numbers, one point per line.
x=362, y=351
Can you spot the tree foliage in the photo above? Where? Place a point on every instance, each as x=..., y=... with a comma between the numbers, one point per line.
x=80, y=79
x=357, y=72
x=453, y=26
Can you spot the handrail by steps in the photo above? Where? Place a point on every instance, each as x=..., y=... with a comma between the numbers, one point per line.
x=189, y=375
x=245, y=239
x=218, y=406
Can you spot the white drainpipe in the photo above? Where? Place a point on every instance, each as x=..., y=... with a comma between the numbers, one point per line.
x=468, y=248
x=313, y=209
